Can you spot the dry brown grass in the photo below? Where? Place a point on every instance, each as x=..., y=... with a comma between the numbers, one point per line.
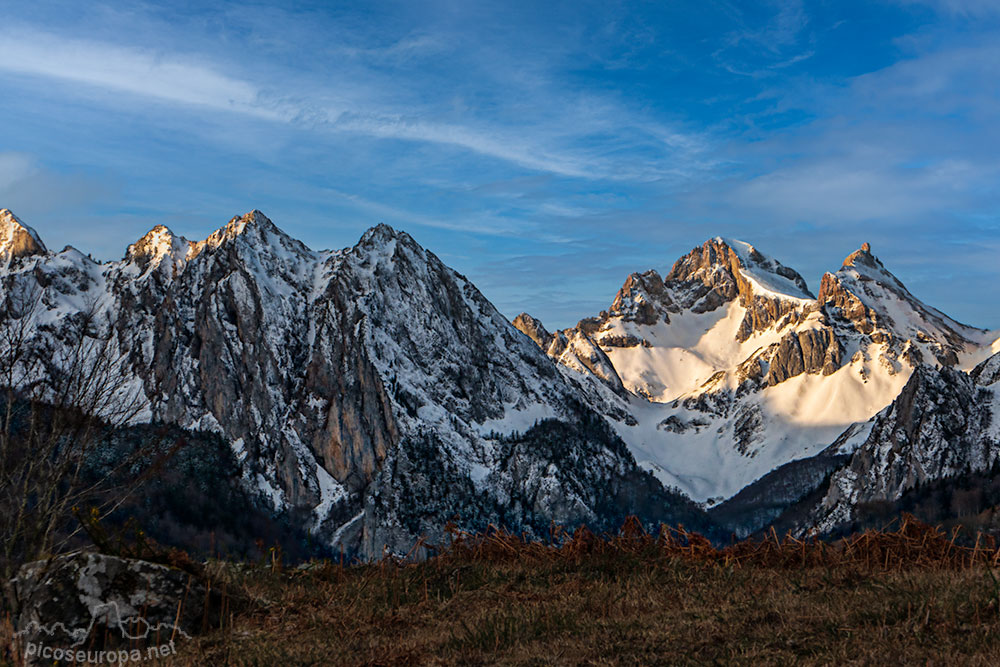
x=911, y=544
x=906, y=596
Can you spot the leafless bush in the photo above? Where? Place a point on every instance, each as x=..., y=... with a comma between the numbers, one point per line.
x=65, y=390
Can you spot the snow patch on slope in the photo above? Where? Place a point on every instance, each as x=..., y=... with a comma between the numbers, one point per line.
x=712, y=456
x=761, y=271
x=684, y=354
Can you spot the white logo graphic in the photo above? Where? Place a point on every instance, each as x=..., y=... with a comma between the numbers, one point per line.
x=133, y=628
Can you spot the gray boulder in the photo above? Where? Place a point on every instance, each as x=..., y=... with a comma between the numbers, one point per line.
x=92, y=603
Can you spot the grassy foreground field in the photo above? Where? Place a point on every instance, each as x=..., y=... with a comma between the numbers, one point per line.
x=911, y=596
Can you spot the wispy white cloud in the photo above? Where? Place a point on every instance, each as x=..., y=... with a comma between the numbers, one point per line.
x=905, y=144
x=755, y=49
x=164, y=77
x=960, y=79
x=480, y=142
x=409, y=47
x=785, y=28
x=197, y=82
x=852, y=191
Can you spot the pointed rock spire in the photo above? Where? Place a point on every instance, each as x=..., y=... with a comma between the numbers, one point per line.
x=864, y=257
x=17, y=239
x=254, y=230
x=381, y=234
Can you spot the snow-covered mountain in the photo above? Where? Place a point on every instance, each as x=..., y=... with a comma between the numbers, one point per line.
x=372, y=387
x=734, y=369
x=379, y=394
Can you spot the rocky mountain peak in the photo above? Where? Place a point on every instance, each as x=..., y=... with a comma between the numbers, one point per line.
x=846, y=287
x=382, y=235
x=734, y=266
x=533, y=329
x=643, y=299
x=156, y=241
x=254, y=217
x=382, y=248
x=381, y=230
x=156, y=245
x=715, y=254
x=864, y=257
x=254, y=221
x=17, y=239
x=874, y=302
x=722, y=270
x=255, y=232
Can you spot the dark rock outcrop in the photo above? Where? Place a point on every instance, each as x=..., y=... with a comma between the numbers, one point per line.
x=807, y=351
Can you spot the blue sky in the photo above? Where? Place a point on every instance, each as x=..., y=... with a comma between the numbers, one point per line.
x=545, y=150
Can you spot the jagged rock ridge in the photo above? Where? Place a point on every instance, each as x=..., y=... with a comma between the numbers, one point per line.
x=373, y=386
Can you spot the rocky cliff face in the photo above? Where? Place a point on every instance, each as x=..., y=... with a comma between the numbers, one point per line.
x=805, y=351
x=367, y=386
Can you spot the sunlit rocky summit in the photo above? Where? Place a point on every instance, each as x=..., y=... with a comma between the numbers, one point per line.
x=378, y=393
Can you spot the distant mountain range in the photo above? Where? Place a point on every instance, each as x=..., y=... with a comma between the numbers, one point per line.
x=378, y=392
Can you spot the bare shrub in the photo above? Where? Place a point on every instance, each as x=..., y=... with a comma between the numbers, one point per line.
x=65, y=389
